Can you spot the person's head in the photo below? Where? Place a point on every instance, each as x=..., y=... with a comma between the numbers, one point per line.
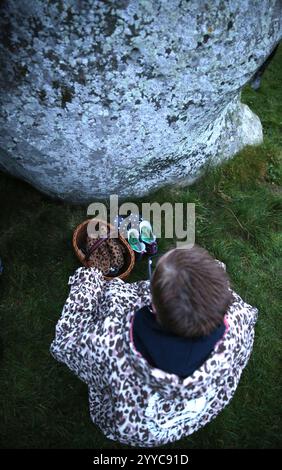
x=190, y=292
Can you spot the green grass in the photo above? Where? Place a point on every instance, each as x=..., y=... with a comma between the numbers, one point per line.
x=238, y=217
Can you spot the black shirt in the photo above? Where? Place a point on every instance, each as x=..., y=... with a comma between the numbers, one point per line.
x=169, y=352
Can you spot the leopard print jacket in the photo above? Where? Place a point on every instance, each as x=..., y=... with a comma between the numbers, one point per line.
x=130, y=401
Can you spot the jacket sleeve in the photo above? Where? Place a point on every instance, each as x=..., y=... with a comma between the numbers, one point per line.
x=75, y=330
x=241, y=318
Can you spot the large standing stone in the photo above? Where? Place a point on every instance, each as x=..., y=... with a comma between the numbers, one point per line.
x=101, y=97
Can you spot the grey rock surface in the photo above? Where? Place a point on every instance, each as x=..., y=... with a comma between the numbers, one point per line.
x=104, y=97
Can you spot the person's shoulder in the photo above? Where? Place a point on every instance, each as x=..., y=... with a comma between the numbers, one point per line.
x=241, y=312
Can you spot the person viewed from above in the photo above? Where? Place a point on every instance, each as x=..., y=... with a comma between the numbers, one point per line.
x=190, y=296
x=161, y=358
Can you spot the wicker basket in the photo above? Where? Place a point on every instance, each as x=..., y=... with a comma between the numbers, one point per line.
x=79, y=241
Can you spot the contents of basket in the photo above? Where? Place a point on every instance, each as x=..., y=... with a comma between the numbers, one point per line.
x=107, y=255
x=94, y=247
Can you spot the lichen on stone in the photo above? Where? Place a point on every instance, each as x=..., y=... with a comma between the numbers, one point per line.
x=124, y=96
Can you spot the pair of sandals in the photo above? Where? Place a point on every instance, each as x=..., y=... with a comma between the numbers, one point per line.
x=144, y=240
x=139, y=234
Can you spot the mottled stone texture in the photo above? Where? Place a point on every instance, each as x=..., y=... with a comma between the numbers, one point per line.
x=101, y=97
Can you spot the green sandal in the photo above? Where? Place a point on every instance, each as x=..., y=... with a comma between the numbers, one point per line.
x=146, y=232
x=134, y=242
